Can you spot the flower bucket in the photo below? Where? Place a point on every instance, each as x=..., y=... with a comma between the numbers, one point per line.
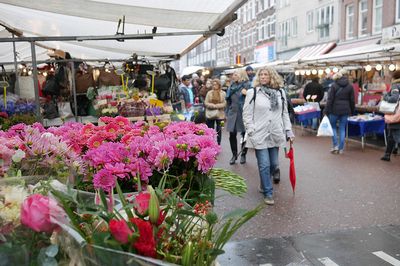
x=14, y=256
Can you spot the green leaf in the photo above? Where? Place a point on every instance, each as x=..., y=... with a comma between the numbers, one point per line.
x=234, y=213
x=123, y=201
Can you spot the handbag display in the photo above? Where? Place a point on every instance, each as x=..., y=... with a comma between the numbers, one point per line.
x=84, y=80
x=109, y=78
x=388, y=108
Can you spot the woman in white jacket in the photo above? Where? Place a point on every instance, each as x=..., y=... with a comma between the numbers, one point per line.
x=266, y=118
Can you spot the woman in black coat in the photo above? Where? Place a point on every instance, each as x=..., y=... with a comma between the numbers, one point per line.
x=339, y=107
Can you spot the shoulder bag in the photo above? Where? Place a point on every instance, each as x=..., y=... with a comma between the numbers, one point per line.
x=388, y=108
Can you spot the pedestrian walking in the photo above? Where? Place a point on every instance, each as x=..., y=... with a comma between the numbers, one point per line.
x=235, y=96
x=340, y=105
x=393, y=136
x=267, y=123
x=215, y=104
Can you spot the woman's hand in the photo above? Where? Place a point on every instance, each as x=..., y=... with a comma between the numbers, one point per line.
x=244, y=91
x=290, y=136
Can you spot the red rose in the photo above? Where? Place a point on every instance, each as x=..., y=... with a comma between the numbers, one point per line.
x=145, y=245
x=120, y=230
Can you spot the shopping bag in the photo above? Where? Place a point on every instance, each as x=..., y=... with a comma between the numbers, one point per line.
x=64, y=110
x=325, y=128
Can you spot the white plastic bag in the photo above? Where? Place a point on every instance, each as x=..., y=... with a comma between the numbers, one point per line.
x=64, y=110
x=325, y=128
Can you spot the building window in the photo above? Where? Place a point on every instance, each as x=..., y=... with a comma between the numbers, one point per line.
x=272, y=30
x=324, y=20
x=267, y=28
x=349, y=21
x=283, y=29
x=293, y=27
x=397, y=10
x=283, y=3
x=377, y=17
x=310, y=21
x=363, y=18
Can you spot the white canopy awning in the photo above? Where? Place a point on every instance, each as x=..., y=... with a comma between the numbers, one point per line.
x=100, y=17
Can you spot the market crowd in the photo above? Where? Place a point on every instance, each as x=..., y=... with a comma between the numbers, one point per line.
x=258, y=113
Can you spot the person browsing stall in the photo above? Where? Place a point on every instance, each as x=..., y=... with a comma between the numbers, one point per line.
x=267, y=123
x=215, y=104
x=339, y=107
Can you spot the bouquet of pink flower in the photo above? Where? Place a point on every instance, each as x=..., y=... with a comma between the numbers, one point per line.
x=137, y=154
x=31, y=150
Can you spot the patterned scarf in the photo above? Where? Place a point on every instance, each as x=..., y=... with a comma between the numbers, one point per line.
x=273, y=98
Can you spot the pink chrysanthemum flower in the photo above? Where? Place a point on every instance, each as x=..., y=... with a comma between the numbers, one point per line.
x=104, y=180
x=206, y=159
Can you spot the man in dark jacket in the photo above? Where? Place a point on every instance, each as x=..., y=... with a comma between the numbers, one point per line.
x=313, y=92
x=339, y=107
x=186, y=93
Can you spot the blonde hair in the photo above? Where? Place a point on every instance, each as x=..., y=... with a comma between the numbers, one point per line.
x=340, y=73
x=275, y=80
x=242, y=75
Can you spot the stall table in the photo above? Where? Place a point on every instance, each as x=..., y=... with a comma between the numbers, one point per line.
x=301, y=117
x=362, y=127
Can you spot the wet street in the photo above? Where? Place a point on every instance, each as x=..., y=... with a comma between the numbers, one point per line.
x=345, y=210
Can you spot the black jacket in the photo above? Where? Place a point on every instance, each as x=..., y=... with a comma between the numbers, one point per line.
x=341, y=98
x=314, y=88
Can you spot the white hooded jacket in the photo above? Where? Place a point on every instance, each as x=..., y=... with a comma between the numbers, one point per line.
x=266, y=128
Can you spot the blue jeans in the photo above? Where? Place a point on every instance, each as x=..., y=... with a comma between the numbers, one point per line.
x=267, y=160
x=342, y=129
x=313, y=122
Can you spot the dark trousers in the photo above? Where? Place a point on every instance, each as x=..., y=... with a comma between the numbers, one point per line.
x=391, y=143
x=233, y=142
x=211, y=123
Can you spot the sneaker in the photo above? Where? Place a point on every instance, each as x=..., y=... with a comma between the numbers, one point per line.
x=340, y=151
x=269, y=200
x=335, y=150
x=276, y=176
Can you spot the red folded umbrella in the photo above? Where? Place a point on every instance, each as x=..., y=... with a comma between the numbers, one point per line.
x=292, y=170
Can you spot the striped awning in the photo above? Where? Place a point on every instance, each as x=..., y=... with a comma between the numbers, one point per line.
x=313, y=51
